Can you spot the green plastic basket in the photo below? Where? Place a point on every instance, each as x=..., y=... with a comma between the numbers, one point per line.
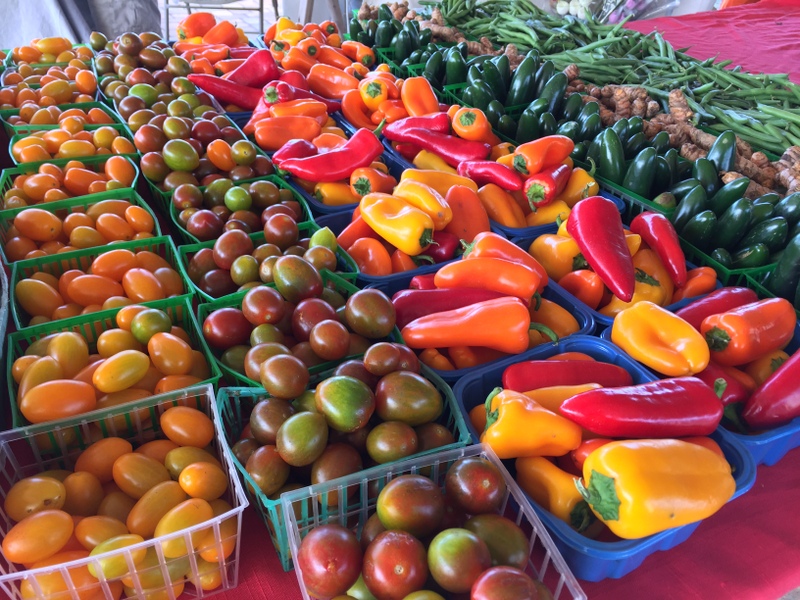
x=346, y=267
x=188, y=238
x=754, y=281
x=726, y=276
x=64, y=207
x=13, y=130
x=95, y=163
x=58, y=264
x=386, y=56
x=90, y=327
x=344, y=287
x=236, y=404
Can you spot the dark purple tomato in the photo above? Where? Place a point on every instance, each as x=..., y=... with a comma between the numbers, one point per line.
x=204, y=225
x=321, y=257
x=258, y=354
x=243, y=449
x=358, y=344
x=456, y=558
x=226, y=327
x=262, y=166
x=337, y=460
x=284, y=376
x=355, y=368
x=382, y=358
x=185, y=214
x=305, y=353
x=275, y=209
x=263, y=305
x=433, y=435
x=294, y=250
x=476, y=485
x=408, y=359
x=508, y=545
x=241, y=173
x=217, y=283
x=249, y=218
x=281, y=230
x=330, y=560
x=266, y=269
x=263, y=251
x=391, y=441
x=370, y=313
x=154, y=167
x=504, y=583
x=329, y=340
x=230, y=246
x=395, y=564
x=223, y=212
x=149, y=138
x=201, y=263
x=178, y=178
x=187, y=196
x=308, y=313
x=296, y=279
x=264, y=194
x=267, y=417
x=238, y=225
x=372, y=529
x=268, y=470
x=407, y=397
x=205, y=131
x=411, y=503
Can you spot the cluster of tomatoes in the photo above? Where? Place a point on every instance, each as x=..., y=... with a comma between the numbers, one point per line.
x=115, y=497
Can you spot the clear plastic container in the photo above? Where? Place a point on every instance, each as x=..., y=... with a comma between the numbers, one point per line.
x=308, y=508
x=31, y=450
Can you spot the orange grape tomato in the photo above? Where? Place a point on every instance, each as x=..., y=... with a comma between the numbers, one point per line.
x=120, y=169
x=170, y=354
x=71, y=351
x=142, y=286
x=86, y=237
x=99, y=458
x=150, y=380
x=209, y=575
x=124, y=421
x=203, y=480
x=84, y=494
x=114, y=207
x=46, y=368
x=96, y=529
x=37, y=298
x=115, y=565
x=113, y=341
x=57, y=399
x=114, y=228
x=49, y=279
x=187, y=426
x=139, y=219
x=157, y=449
x=170, y=280
x=171, y=383
x=18, y=247
x=207, y=547
x=93, y=289
x=150, y=261
x=75, y=220
x=186, y=514
x=32, y=495
x=200, y=368
x=87, y=372
x=20, y=365
x=153, y=505
x=117, y=505
x=126, y=315
x=150, y=575
x=37, y=186
x=180, y=458
x=51, y=583
x=39, y=536
x=38, y=224
x=136, y=473
x=114, y=263
x=121, y=371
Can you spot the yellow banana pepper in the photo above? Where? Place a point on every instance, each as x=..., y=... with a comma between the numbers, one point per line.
x=640, y=487
x=427, y=199
x=653, y=284
x=438, y=180
x=430, y=161
x=395, y=220
x=553, y=489
x=660, y=340
x=517, y=426
x=553, y=397
x=335, y=194
x=580, y=185
x=550, y=213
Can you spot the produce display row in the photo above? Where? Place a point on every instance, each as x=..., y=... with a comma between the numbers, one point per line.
x=386, y=269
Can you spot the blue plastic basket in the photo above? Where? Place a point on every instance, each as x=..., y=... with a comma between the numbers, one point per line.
x=240, y=118
x=589, y=559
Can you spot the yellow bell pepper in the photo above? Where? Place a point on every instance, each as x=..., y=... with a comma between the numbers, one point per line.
x=395, y=220
x=291, y=36
x=557, y=254
x=438, y=180
x=285, y=23
x=553, y=316
x=334, y=130
x=640, y=487
x=550, y=213
x=761, y=369
x=335, y=194
x=660, y=340
x=653, y=284
x=553, y=489
x=553, y=397
x=427, y=199
x=580, y=185
x=517, y=426
x=430, y=161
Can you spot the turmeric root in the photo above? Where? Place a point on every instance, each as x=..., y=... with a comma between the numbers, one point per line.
x=678, y=106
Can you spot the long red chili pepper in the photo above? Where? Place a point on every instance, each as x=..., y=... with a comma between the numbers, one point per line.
x=359, y=151
x=453, y=150
x=488, y=171
x=777, y=400
x=734, y=390
x=294, y=149
x=256, y=71
x=718, y=301
x=677, y=407
x=295, y=79
x=437, y=122
x=544, y=187
x=412, y=304
x=534, y=374
x=659, y=233
x=596, y=226
x=285, y=92
x=227, y=92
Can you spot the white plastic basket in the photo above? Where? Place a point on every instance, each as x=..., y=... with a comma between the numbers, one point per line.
x=308, y=508
x=30, y=450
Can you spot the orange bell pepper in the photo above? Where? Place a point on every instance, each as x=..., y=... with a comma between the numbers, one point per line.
x=366, y=180
x=762, y=368
x=373, y=92
x=532, y=157
x=329, y=55
x=472, y=124
x=418, y=97
x=202, y=65
x=393, y=110
x=272, y=133
x=492, y=245
x=269, y=34
x=469, y=216
x=223, y=32
x=334, y=40
x=702, y=280
x=357, y=70
x=402, y=262
x=328, y=27
x=502, y=149
x=310, y=46
x=585, y=285
x=358, y=52
x=196, y=24
x=371, y=257
x=356, y=112
x=335, y=193
x=497, y=274
x=328, y=141
x=226, y=66
x=330, y=82
x=304, y=107
x=501, y=206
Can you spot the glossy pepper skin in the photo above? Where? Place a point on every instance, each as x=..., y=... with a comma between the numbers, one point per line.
x=653, y=284
x=256, y=71
x=501, y=324
x=441, y=182
x=718, y=301
x=607, y=254
x=501, y=206
x=510, y=278
x=581, y=185
x=551, y=488
x=436, y=122
x=444, y=247
x=488, y=244
x=535, y=374
x=426, y=199
x=551, y=150
x=659, y=233
x=746, y=333
x=488, y=171
x=422, y=282
x=676, y=407
x=398, y=222
x=640, y=487
x=542, y=188
x=516, y=426
x=777, y=400
x=660, y=340
x=227, y=92
x=412, y=304
x=297, y=148
x=285, y=92
x=359, y=151
x=452, y=149
x=734, y=390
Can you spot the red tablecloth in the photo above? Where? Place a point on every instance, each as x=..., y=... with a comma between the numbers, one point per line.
x=762, y=37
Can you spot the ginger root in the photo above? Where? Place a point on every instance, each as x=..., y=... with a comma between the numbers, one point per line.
x=754, y=190
x=678, y=106
x=692, y=152
x=572, y=71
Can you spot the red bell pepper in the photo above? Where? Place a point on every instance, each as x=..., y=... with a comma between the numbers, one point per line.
x=544, y=187
x=444, y=247
x=734, y=390
x=423, y=282
x=453, y=150
x=227, y=92
x=535, y=374
x=676, y=407
x=718, y=301
x=659, y=233
x=285, y=92
x=488, y=171
x=596, y=226
x=295, y=79
x=436, y=122
x=359, y=151
x=777, y=400
x=294, y=149
x=258, y=69
x=412, y=304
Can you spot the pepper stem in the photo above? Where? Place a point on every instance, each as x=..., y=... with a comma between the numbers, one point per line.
x=379, y=129
x=601, y=495
x=592, y=166
x=717, y=339
x=731, y=413
x=467, y=247
x=545, y=330
x=719, y=387
x=581, y=516
x=491, y=415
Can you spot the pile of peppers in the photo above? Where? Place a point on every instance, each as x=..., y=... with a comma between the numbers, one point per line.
x=590, y=445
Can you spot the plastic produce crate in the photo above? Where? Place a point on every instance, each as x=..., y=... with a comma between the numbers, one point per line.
x=188, y=238
x=12, y=130
x=29, y=451
x=755, y=281
x=590, y=559
x=90, y=326
x=386, y=56
x=79, y=204
x=726, y=276
x=545, y=562
x=236, y=404
x=58, y=264
x=344, y=287
x=3, y=308
x=346, y=267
